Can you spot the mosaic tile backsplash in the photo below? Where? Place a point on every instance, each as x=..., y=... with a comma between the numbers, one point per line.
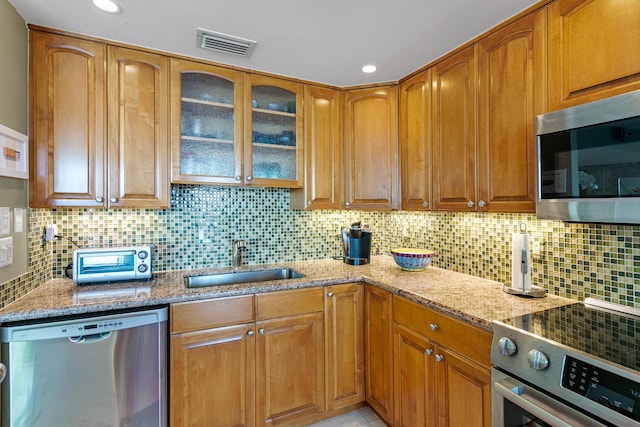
x=572, y=260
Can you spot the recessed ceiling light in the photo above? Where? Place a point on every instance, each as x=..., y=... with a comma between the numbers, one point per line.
x=107, y=6
x=369, y=69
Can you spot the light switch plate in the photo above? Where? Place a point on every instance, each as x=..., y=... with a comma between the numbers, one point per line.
x=5, y=223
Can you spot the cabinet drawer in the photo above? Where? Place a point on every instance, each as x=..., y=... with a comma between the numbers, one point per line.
x=466, y=339
x=196, y=315
x=289, y=303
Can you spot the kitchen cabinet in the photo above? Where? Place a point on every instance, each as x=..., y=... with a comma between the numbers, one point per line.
x=212, y=363
x=273, y=136
x=415, y=141
x=512, y=91
x=323, y=151
x=344, y=345
x=371, y=179
x=67, y=132
x=594, y=50
x=92, y=147
x=236, y=364
x=289, y=356
x=379, y=351
x=441, y=369
x=454, y=95
x=138, y=117
x=206, y=123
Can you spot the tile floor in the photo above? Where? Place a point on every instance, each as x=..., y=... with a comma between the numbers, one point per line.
x=361, y=417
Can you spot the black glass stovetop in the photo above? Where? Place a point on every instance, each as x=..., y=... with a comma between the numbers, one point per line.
x=612, y=336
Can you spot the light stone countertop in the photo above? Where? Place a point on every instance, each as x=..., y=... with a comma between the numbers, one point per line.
x=468, y=298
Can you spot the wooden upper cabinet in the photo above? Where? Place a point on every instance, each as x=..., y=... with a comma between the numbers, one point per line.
x=594, y=50
x=67, y=121
x=415, y=141
x=273, y=132
x=454, y=92
x=79, y=161
x=512, y=76
x=138, y=119
x=206, y=123
x=322, y=151
x=371, y=178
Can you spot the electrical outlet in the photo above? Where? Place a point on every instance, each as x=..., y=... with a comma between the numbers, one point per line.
x=5, y=214
x=50, y=233
x=6, y=251
x=536, y=243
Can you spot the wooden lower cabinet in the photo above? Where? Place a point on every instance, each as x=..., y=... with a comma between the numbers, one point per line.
x=290, y=369
x=379, y=351
x=344, y=345
x=212, y=377
x=442, y=371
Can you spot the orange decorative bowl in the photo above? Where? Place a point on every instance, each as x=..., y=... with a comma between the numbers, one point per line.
x=412, y=259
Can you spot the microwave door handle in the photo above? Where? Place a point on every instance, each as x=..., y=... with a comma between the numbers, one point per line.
x=540, y=406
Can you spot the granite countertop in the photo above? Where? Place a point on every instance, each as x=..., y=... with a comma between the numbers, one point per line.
x=474, y=300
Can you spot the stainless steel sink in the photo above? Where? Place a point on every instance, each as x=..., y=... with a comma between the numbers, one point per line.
x=238, y=277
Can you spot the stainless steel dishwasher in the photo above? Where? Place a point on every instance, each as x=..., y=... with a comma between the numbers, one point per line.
x=107, y=370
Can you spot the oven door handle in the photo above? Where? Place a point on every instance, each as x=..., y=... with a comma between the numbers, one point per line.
x=541, y=406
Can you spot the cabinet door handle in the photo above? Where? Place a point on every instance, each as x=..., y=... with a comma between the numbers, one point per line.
x=471, y=203
x=439, y=358
x=249, y=178
x=425, y=204
x=238, y=177
x=429, y=351
x=330, y=294
x=250, y=333
x=113, y=199
x=309, y=203
x=261, y=331
x=347, y=204
x=99, y=199
x=433, y=326
x=482, y=203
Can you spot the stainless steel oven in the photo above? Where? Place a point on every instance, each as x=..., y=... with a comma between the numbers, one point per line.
x=576, y=365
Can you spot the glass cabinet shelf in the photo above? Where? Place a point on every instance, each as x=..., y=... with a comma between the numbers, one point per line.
x=205, y=102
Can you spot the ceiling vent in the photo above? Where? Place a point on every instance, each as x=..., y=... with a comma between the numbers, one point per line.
x=224, y=43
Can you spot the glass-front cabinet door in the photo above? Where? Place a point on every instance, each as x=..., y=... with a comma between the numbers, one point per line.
x=273, y=132
x=206, y=123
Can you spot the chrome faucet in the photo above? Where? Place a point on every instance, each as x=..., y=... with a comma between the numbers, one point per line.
x=238, y=247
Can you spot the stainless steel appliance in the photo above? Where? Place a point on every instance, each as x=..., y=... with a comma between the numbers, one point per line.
x=356, y=241
x=589, y=162
x=107, y=370
x=111, y=264
x=576, y=365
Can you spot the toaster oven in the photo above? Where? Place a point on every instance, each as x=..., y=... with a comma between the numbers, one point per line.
x=112, y=264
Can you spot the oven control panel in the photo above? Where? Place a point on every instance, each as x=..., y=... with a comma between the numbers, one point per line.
x=599, y=385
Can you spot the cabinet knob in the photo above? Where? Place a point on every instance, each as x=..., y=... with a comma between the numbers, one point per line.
x=482, y=203
x=113, y=199
x=439, y=358
x=250, y=333
x=261, y=331
x=238, y=177
x=99, y=199
x=347, y=203
x=249, y=178
x=309, y=203
x=425, y=204
x=330, y=294
x=433, y=326
x=429, y=351
x=471, y=203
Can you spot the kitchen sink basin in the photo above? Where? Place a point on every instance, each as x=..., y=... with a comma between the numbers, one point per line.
x=239, y=277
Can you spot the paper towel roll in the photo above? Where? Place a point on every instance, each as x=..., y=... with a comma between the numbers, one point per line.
x=520, y=262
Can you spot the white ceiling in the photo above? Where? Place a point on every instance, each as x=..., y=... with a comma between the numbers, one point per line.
x=325, y=41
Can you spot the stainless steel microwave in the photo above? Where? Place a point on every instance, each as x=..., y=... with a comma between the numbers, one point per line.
x=111, y=264
x=589, y=162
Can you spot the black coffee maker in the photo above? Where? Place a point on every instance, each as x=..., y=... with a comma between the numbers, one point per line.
x=356, y=241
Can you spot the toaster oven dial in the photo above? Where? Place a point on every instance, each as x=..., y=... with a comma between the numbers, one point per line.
x=142, y=268
x=143, y=254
